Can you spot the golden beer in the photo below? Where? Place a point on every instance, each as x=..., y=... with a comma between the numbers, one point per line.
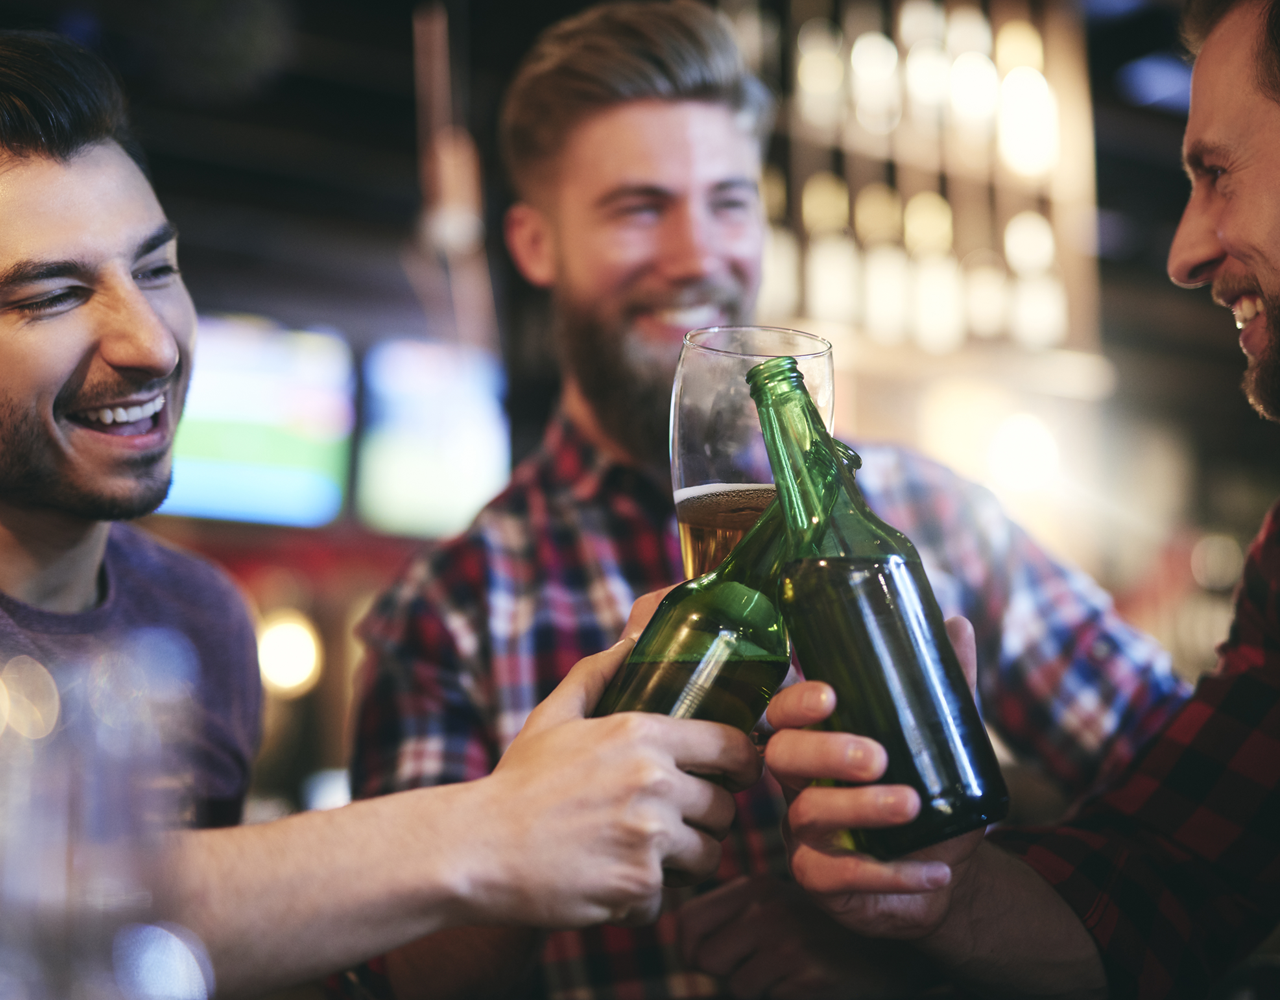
x=714, y=518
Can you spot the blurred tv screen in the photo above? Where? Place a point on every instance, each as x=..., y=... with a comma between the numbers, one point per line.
x=266, y=433
x=436, y=444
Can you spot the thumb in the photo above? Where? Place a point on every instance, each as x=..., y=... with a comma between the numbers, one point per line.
x=960, y=632
x=642, y=610
x=576, y=695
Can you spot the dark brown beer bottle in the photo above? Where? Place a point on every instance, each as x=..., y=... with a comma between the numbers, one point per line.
x=863, y=618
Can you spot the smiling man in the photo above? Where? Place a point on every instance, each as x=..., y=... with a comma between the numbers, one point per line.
x=632, y=135
x=1162, y=884
x=582, y=819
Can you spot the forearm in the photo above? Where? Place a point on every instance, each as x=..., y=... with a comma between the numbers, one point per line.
x=1009, y=934
x=475, y=963
x=286, y=902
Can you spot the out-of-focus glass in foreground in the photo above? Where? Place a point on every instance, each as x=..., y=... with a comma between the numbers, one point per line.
x=91, y=774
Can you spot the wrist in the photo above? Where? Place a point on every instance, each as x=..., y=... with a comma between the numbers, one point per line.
x=461, y=864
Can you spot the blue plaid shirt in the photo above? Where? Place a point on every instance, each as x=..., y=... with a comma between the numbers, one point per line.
x=479, y=629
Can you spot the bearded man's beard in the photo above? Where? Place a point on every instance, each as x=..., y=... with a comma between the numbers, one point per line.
x=1262, y=379
x=626, y=377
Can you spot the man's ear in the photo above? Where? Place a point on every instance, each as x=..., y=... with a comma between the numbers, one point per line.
x=532, y=243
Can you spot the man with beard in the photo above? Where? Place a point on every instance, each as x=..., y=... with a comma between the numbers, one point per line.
x=96, y=339
x=1158, y=886
x=632, y=136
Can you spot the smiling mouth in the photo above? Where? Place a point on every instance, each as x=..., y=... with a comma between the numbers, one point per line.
x=1246, y=308
x=139, y=418
x=690, y=317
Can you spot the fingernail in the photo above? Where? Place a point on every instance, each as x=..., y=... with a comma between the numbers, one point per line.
x=817, y=699
x=936, y=875
x=891, y=800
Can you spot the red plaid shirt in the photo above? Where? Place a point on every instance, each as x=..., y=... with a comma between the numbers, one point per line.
x=1176, y=870
x=479, y=630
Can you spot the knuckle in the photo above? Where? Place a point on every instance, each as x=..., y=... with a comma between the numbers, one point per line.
x=649, y=778
x=635, y=727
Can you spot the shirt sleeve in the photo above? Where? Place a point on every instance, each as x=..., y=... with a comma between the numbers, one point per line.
x=1077, y=688
x=1176, y=869
x=1062, y=679
x=420, y=717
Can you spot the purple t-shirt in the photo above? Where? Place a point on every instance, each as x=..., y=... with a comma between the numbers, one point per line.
x=186, y=607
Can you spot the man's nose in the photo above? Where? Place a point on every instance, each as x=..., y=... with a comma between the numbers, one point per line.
x=134, y=336
x=688, y=245
x=1197, y=249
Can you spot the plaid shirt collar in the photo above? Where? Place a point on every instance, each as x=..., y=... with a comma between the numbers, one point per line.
x=568, y=463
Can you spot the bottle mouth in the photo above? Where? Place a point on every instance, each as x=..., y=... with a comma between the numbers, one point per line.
x=776, y=372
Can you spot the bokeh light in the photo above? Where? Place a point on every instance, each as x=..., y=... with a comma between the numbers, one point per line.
x=1023, y=455
x=877, y=215
x=824, y=204
x=928, y=73
x=986, y=296
x=1029, y=246
x=937, y=308
x=876, y=92
x=289, y=653
x=887, y=284
x=1018, y=44
x=34, y=703
x=968, y=30
x=921, y=21
x=831, y=279
x=1027, y=131
x=1038, y=312
x=926, y=224
x=975, y=90
x=1216, y=561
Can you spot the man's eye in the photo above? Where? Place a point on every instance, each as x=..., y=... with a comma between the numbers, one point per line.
x=56, y=301
x=155, y=275
x=638, y=210
x=733, y=203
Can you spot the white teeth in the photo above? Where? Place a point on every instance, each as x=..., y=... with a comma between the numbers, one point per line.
x=693, y=316
x=126, y=415
x=1245, y=309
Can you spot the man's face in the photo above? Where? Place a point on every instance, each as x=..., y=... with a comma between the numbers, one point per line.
x=96, y=332
x=656, y=229
x=1230, y=231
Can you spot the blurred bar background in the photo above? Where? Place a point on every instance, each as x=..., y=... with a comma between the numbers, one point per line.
x=974, y=203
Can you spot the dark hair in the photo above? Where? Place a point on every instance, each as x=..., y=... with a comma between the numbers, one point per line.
x=619, y=52
x=1200, y=17
x=57, y=97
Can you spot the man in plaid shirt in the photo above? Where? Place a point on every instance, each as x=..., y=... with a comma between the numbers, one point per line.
x=1161, y=884
x=632, y=134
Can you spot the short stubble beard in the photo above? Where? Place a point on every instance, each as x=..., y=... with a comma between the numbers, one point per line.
x=31, y=477
x=1262, y=379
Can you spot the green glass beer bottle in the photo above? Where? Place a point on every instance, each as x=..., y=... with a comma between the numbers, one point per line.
x=716, y=647
x=863, y=619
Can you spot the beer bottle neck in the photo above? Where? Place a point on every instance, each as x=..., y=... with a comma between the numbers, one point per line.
x=805, y=468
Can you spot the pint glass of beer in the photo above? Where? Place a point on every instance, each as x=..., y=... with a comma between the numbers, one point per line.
x=719, y=468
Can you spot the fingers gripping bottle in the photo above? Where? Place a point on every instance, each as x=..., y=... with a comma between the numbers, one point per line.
x=863, y=618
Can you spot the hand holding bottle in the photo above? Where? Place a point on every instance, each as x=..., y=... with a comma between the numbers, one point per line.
x=589, y=816
x=906, y=898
